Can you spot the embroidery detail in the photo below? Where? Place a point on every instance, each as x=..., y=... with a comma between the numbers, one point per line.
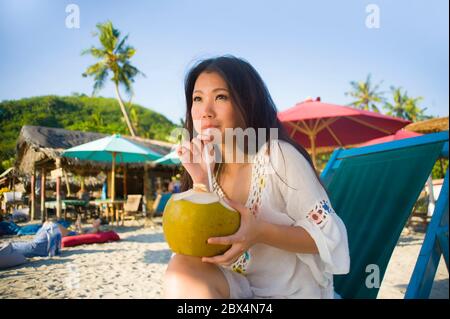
x=258, y=183
x=319, y=214
x=240, y=265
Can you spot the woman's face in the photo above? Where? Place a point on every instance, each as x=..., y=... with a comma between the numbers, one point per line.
x=212, y=105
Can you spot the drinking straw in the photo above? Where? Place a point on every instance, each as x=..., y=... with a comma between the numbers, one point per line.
x=208, y=167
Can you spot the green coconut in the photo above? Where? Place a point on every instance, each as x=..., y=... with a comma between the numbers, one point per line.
x=191, y=217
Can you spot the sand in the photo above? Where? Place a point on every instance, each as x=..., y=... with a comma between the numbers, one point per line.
x=401, y=266
x=130, y=268
x=134, y=268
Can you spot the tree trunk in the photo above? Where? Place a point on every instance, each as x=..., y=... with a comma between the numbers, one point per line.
x=124, y=112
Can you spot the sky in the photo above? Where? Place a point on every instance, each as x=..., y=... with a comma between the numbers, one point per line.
x=300, y=48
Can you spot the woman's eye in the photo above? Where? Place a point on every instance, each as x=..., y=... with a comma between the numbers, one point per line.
x=222, y=97
x=197, y=99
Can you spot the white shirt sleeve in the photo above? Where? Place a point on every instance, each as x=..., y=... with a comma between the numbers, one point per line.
x=307, y=203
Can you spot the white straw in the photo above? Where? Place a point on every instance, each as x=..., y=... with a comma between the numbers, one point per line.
x=208, y=167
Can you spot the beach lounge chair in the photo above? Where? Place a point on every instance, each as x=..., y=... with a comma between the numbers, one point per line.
x=374, y=189
x=160, y=203
x=434, y=245
x=131, y=208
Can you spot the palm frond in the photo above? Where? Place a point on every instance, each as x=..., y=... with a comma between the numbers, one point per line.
x=126, y=83
x=99, y=80
x=99, y=71
x=95, y=52
x=120, y=45
x=108, y=35
x=94, y=69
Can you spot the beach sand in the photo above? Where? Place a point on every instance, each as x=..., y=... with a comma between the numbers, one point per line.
x=130, y=268
x=134, y=268
x=401, y=266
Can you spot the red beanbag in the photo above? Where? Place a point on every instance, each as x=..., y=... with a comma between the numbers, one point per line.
x=101, y=237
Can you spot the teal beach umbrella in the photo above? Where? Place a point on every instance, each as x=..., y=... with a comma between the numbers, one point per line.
x=169, y=159
x=112, y=149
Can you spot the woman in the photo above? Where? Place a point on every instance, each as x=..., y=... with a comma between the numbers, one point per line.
x=290, y=242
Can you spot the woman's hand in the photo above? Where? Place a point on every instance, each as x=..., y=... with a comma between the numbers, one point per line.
x=192, y=157
x=248, y=234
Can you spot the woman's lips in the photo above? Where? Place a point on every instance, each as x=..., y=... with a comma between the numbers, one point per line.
x=209, y=127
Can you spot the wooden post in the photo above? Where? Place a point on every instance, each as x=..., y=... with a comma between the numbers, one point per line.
x=113, y=177
x=313, y=149
x=67, y=184
x=14, y=187
x=82, y=184
x=146, y=196
x=58, y=197
x=58, y=190
x=158, y=185
x=125, y=191
x=43, y=210
x=108, y=183
x=33, y=194
x=113, y=184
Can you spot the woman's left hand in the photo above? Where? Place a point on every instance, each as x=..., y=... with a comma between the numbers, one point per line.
x=247, y=235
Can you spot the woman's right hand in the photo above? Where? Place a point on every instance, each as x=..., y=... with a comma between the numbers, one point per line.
x=192, y=157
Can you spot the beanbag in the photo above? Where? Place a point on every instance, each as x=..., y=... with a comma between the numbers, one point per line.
x=34, y=228
x=64, y=223
x=9, y=228
x=10, y=258
x=46, y=242
x=29, y=229
x=101, y=237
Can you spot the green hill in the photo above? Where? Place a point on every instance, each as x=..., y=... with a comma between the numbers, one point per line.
x=77, y=112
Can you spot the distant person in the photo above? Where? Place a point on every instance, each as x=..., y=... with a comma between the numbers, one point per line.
x=46, y=242
x=174, y=185
x=84, y=195
x=96, y=228
x=170, y=187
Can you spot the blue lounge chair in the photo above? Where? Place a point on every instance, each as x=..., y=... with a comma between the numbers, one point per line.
x=374, y=189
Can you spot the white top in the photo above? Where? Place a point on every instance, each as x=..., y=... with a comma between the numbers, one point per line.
x=273, y=272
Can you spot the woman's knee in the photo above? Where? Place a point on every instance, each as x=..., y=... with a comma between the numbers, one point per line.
x=189, y=277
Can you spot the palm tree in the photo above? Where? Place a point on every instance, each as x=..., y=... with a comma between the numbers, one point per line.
x=134, y=115
x=97, y=119
x=366, y=96
x=114, y=57
x=404, y=106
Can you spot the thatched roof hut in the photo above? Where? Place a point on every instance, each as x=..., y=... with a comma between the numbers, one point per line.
x=41, y=147
x=8, y=178
x=39, y=151
x=429, y=126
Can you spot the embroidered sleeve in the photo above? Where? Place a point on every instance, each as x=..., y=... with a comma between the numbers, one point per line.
x=299, y=185
x=319, y=214
x=308, y=204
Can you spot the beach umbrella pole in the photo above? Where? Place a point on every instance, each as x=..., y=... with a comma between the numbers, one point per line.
x=313, y=149
x=125, y=191
x=113, y=186
x=113, y=177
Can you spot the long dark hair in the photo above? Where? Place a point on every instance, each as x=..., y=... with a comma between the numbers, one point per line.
x=248, y=93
